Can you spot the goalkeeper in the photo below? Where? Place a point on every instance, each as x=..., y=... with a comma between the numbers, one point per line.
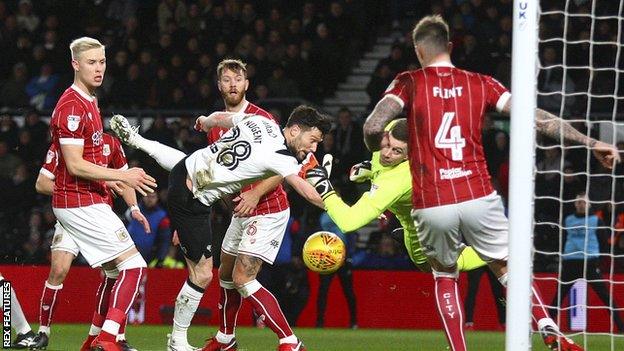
x=391, y=189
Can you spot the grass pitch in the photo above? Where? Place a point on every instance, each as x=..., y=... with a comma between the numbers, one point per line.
x=66, y=337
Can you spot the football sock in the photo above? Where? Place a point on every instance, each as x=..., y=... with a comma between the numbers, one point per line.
x=230, y=302
x=450, y=309
x=166, y=156
x=265, y=304
x=469, y=260
x=46, y=308
x=185, y=307
x=538, y=311
x=18, y=320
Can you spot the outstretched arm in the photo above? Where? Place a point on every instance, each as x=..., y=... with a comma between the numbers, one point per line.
x=220, y=119
x=552, y=126
x=385, y=111
x=248, y=200
x=306, y=190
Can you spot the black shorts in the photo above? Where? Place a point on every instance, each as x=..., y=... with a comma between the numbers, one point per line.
x=188, y=216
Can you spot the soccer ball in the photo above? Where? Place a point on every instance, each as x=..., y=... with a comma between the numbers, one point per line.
x=324, y=252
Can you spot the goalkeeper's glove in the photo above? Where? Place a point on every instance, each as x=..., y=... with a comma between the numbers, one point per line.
x=318, y=177
x=360, y=172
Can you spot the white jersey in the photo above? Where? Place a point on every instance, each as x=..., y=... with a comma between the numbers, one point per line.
x=253, y=149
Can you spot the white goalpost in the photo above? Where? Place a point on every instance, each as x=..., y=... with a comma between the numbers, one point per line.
x=521, y=174
x=566, y=59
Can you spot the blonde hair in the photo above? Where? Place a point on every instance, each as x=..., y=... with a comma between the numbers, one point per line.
x=233, y=65
x=432, y=31
x=83, y=44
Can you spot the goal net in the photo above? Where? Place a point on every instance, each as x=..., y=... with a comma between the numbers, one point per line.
x=579, y=249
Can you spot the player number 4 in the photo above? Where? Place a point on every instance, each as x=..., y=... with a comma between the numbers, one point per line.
x=449, y=137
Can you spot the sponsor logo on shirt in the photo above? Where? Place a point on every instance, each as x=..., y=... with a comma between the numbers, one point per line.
x=452, y=173
x=106, y=150
x=50, y=156
x=97, y=137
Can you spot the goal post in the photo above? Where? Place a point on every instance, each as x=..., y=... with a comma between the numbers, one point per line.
x=521, y=174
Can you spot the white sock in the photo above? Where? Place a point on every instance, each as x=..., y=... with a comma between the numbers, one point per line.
x=18, y=320
x=289, y=340
x=224, y=338
x=185, y=307
x=111, y=327
x=45, y=330
x=121, y=337
x=94, y=330
x=166, y=156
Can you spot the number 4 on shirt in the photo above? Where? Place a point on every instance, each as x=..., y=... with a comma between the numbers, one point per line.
x=449, y=137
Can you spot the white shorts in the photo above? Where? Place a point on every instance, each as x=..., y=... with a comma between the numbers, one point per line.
x=481, y=221
x=258, y=236
x=62, y=241
x=98, y=232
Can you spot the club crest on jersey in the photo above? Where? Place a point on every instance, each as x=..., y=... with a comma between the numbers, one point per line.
x=106, y=150
x=73, y=122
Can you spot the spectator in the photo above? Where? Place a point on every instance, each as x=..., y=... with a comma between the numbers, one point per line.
x=42, y=88
x=280, y=85
x=13, y=91
x=38, y=129
x=153, y=245
x=379, y=82
x=344, y=273
x=26, y=18
x=581, y=257
x=8, y=161
x=172, y=10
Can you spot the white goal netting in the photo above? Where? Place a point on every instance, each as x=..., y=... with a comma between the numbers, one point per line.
x=579, y=251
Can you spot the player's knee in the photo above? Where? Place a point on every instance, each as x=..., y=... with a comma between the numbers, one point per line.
x=203, y=278
x=58, y=274
x=134, y=261
x=225, y=273
x=248, y=288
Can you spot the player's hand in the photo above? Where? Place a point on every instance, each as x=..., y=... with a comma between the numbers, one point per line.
x=318, y=177
x=199, y=124
x=606, y=154
x=139, y=217
x=360, y=172
x=246, y=203
x=116, y=186
x=309, y=163
x=175, y=240
x=137, y=179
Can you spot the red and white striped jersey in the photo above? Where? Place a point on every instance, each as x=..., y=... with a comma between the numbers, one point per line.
x=445, y=107
x=113, y=154
x=274, y=201
x=76, y=120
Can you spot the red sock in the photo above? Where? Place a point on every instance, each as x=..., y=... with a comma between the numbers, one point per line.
x=230, y=302
x=114, y=315
x=122, y=326
x=539, y=310
x=125, y=289
x=102, y=296
x=450, y=309
x=48, y=301
x=265, y=304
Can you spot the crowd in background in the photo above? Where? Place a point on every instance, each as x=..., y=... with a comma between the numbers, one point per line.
x=162, y=56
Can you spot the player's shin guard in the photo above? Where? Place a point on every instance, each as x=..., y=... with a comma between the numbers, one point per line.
x=230, y=302
x=122, y=296
x=265, y=304
x=185, y=306
x=102, y=299
x=46, y=308
x=450, y=309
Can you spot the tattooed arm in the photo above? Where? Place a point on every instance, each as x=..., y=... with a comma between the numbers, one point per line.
x=385, y=111
x=554, y=127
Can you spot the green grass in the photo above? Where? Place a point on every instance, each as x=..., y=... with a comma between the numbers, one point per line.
x=154, y=338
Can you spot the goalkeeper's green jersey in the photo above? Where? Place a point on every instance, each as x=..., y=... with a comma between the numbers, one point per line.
x=391, y=189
